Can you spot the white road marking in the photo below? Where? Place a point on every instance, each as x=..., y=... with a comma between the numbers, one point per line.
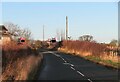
x=90, y=80
x=47, y=52
x=62, y=58
x=58, y=56
x=65, y=61
x=55, y=54
x=80, y=73
x=69, y=64
x=44, y=52
x=72, y=68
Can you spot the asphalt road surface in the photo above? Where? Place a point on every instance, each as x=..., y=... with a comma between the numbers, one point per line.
x=60, y=66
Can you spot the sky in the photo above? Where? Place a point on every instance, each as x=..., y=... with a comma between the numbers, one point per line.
x=99, y=19
x=60, y=0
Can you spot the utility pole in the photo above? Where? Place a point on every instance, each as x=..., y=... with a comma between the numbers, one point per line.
x=43, y=33
x=66, y=28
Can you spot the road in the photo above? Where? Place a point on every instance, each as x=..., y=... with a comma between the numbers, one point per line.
x=60, y=66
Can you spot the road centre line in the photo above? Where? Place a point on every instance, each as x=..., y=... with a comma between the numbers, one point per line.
x=57, y=55
x=47, y=52
x=44, y=52
x=90, y=80
x=60, y=57
x=80, y=73
x=72, y=68
x=68, y=64
x=65, y=61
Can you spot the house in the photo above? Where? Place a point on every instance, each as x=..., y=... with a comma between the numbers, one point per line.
x=5, y=36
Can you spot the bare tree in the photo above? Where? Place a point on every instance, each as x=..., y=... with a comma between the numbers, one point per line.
x=58, y=34
x=17, y=31
x=62, y=35
x=113, y=42
x=12, y=28
x=86, y=38
x=26, y=33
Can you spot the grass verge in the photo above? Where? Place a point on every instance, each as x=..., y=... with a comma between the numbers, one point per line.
x=96, y=59
x=19, y=62
x=107, y=63
x=34, y=72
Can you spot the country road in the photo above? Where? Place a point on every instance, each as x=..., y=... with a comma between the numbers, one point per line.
x=60, y=66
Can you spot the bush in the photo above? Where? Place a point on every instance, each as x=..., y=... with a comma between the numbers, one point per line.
x=85, y=46
x=11, y=52
x=18, y=61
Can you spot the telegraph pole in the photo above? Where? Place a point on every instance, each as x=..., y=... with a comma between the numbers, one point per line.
x=66, y=28
x=43, y=33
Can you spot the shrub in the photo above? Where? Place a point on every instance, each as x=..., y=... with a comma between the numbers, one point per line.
x=85, y=46
x=18, y=61
x=11, y=52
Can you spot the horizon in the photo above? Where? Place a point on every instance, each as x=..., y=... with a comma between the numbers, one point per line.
x=99, y=19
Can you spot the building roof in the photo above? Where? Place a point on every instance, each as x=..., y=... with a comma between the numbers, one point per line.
x=2, y=27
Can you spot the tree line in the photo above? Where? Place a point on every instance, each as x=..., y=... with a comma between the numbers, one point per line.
x=16, y=30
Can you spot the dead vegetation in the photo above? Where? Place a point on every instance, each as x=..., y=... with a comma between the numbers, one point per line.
x=91, y=50
x=18, y=61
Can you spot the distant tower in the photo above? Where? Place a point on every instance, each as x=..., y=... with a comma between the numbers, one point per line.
x=66, y=28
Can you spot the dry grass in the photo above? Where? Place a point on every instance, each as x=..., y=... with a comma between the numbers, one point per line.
x=18, y=61
x=21, y=69
x=88, y=48
x=84, y=49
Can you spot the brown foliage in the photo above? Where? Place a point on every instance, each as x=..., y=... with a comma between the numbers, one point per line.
x=99, y=53
x=11, y=52
x=85, y=46
x=18, y=61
